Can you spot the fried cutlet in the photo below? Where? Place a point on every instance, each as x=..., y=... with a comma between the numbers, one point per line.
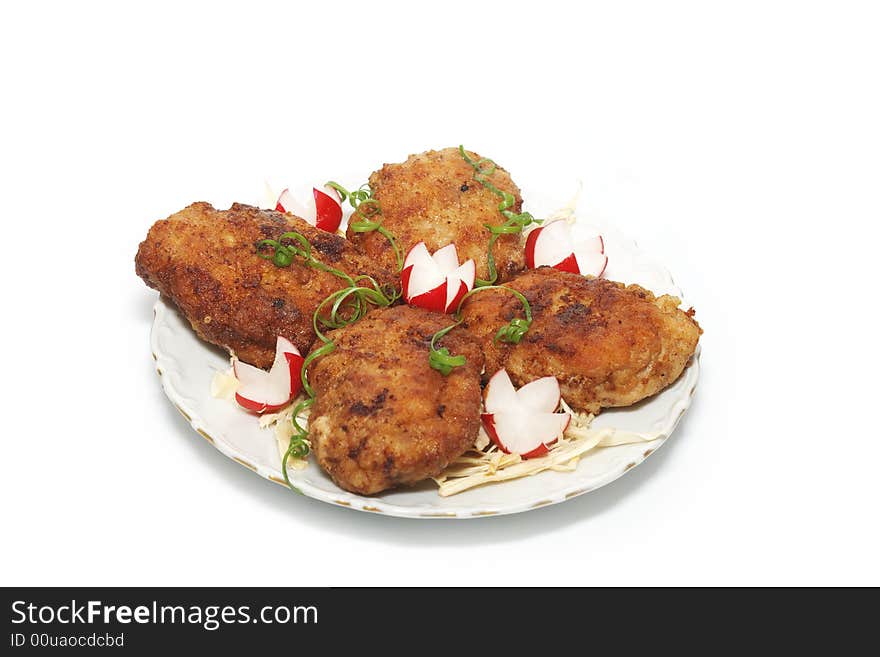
x=607, y=344
x=433, y=198
x=206, y=262
x=382, y=417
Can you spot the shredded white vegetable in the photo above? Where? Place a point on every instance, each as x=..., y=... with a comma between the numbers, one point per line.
x=224, y=384
x=481, y=466
x=566, y=212
x=283, y=422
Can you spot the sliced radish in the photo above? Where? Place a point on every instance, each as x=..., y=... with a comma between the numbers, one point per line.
x=418, y=255
x=265, y=392
x=328, y=209
x=531, y=238
x=541, y=394
x=528, y=435
x=436, y=282
x=570, y=264
x=434, y=298
x=333, y=193
x=424, y=272
x=591, y=264
x=594, y=244
x=325, y=212
x=552, y=245
x=523, y=421
x=446, y=258
x=500, y=395
x=465, y=276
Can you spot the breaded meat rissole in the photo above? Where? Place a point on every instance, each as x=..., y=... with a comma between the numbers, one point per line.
x=607, y=344
x=206, y=262
x=382, y=417
x=433, y=198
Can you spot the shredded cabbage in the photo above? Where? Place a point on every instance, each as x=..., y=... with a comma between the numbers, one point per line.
x=482, y=465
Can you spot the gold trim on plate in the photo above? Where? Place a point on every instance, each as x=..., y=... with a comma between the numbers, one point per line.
x=249, y=466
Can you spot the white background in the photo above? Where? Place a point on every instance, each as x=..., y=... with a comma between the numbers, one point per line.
x=737, y=142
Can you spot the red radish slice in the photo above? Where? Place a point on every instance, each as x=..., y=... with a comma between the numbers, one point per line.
x=419, y=256
x=526, y=434
x=531, y=238
x=290, y=204
x=328, y=209
x=325, y=212
x=266, y=392
x=436, y=282
x=594, y=244
x=446, y=258
x=523, y=421
x=270, y=197
x=592, y=264
x=421, y=280
x=434, y=299
x=424, y=274
x=551, y=245
x=466, y=273
x=464, y=276
x=541, y=394
x=453, y=302
x=570, y=264
x=333, y=193
x=533, y=450
x=285, y=200
x=500, y=395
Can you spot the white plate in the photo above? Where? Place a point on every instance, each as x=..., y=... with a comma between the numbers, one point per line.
x=186, y=366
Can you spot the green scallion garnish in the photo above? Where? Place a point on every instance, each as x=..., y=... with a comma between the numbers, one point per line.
x=366, y=211
x=347, y=305
x=511, y=333
x=513, y=222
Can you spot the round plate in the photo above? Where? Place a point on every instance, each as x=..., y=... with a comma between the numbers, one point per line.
x=187, y=365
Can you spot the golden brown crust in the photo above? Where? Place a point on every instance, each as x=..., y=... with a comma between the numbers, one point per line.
x=205, y=261
x=382, y=417
x=433, y=198
x=608, y=344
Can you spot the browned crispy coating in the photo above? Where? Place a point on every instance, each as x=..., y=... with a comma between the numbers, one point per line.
x=382, y=417
x=608, y=344
x=433, y=198
x=205, y=261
